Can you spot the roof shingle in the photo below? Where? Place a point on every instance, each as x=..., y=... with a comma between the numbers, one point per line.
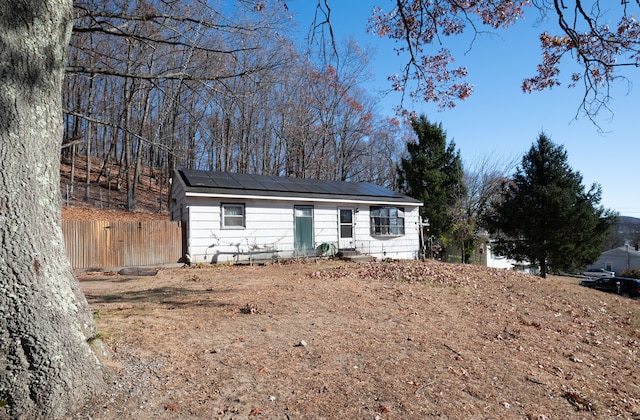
x=215, y=182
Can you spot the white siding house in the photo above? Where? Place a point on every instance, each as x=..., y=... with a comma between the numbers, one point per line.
x=234, y=217
x=497, y=261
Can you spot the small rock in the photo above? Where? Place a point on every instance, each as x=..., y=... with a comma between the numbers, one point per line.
x=301, y=343
x=250, y=308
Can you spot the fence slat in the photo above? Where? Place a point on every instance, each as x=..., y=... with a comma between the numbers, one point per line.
x=94, y=243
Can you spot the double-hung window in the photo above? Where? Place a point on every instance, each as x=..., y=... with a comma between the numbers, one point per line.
x=387, y=221
x=233, y=216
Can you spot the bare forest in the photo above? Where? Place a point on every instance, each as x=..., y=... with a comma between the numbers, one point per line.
x=161, y=85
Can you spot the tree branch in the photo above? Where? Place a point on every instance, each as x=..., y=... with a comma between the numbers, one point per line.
x=159, y=76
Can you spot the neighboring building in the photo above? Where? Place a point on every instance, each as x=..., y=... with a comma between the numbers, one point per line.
x=497, y=261
x=233, y=217
x=618, y=259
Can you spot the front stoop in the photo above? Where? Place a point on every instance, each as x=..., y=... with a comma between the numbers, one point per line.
x=354, y=256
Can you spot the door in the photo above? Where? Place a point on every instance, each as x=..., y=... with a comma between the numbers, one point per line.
x=303, y=230
x=345, y=228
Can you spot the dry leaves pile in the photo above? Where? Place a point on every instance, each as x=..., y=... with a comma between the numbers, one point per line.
x=414, y=271
x=385, y=340
x=90, y=213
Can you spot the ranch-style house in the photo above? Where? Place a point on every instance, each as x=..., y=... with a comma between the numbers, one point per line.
x=230, y=217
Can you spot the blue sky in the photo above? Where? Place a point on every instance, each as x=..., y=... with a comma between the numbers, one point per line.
x=499, y=120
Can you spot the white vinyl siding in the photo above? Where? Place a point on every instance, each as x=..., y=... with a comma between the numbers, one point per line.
x=406, y=246
x=269, y=225
x=177, y=203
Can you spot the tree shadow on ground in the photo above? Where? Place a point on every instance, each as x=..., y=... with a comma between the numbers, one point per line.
x=169, y=296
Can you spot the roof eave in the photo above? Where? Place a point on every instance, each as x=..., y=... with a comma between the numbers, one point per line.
x=359, y=200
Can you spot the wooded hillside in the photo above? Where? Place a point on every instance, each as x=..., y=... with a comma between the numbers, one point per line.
x=103, y=200
x=153, y=86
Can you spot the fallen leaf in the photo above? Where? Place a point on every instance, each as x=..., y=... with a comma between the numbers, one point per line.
x=384, y=409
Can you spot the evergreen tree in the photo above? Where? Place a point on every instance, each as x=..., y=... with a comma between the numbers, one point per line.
x=545, y=216
x=432, y=173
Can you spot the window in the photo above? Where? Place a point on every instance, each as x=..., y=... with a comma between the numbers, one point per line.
x=233, y=216
x=387, y=221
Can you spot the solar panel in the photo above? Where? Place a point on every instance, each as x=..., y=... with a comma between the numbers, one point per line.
x=275, y=184
x=299, y=186
x=227, y=183
x=372, y=189
x=199, y=181
x=324, y=189
x=269, y=185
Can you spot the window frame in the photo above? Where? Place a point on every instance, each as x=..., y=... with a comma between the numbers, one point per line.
x=387, y=221
x=242, y=217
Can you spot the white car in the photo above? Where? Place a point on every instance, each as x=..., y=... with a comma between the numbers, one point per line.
x=598, y=272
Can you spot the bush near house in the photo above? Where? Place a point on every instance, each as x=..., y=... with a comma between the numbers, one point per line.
x=632, y=273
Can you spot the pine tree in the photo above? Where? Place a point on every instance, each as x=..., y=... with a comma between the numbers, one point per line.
x=432, y=173
x=545, y=216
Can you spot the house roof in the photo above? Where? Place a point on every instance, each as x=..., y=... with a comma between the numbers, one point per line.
x=622, y=251
x=214, y=183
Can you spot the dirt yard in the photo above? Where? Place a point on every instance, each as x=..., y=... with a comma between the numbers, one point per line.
x=331, y=340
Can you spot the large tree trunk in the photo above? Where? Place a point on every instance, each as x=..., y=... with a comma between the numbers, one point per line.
x=47, y=368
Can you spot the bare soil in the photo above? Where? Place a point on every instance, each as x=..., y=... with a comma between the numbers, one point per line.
x=383, y=340
x=89, y=213
x=106, y=197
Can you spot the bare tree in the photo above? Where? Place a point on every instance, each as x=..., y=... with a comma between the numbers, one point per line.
x=483, y=179
x=383, y=149
x=154, y=54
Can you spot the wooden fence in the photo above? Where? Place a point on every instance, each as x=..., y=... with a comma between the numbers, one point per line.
x=95, y=244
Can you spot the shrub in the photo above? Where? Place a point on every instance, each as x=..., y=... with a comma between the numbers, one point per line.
x=633, y=273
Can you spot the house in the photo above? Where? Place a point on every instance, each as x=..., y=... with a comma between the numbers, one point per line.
x=229, y=217
x=618, y=259
x=497, y=261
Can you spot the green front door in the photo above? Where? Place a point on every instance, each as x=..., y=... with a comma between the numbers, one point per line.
x=303, y=219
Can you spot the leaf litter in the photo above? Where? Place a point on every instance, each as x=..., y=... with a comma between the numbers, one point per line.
x=382, y=340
